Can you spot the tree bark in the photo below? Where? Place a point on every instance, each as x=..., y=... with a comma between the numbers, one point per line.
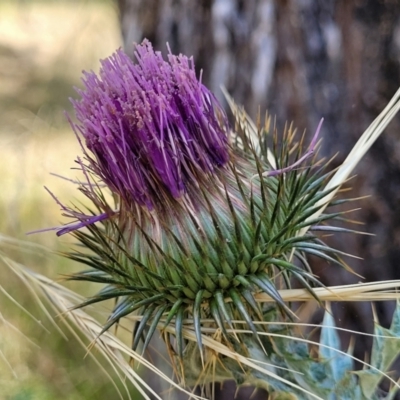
x=303, y=60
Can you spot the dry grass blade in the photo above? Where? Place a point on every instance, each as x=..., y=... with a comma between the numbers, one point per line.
x=113, y=349
x=5, y=293
x=4, y=358
x=17, y=331
x=371, y=291
x=12, y=265
x=366, y=140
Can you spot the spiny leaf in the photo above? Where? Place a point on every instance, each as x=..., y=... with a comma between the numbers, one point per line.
x=147, y=314
x=129, y=307
x=197, y=319
x=217, y=316
x=153, y=326
x=247, y=295
x=242, y=310
x=220, y=301
x=173, y=311
x=264, y=283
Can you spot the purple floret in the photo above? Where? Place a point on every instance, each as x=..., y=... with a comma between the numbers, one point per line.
x=152, y=127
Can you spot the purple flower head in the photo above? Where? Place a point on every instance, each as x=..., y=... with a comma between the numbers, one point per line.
x=152, y=127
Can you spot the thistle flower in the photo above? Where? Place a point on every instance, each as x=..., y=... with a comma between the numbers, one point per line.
x=155, y=131
x=202, y=223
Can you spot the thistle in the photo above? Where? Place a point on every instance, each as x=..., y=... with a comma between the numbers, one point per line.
x=206, y=220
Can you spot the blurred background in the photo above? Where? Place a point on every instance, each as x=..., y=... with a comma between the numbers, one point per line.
x=300, y=59
x=44, y=46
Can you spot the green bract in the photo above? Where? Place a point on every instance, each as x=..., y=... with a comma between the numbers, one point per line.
x=242, y=237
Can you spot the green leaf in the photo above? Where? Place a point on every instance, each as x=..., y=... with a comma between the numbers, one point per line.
x=337, y=363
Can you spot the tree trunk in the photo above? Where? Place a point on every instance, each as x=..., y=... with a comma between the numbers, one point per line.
x=303, y=60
